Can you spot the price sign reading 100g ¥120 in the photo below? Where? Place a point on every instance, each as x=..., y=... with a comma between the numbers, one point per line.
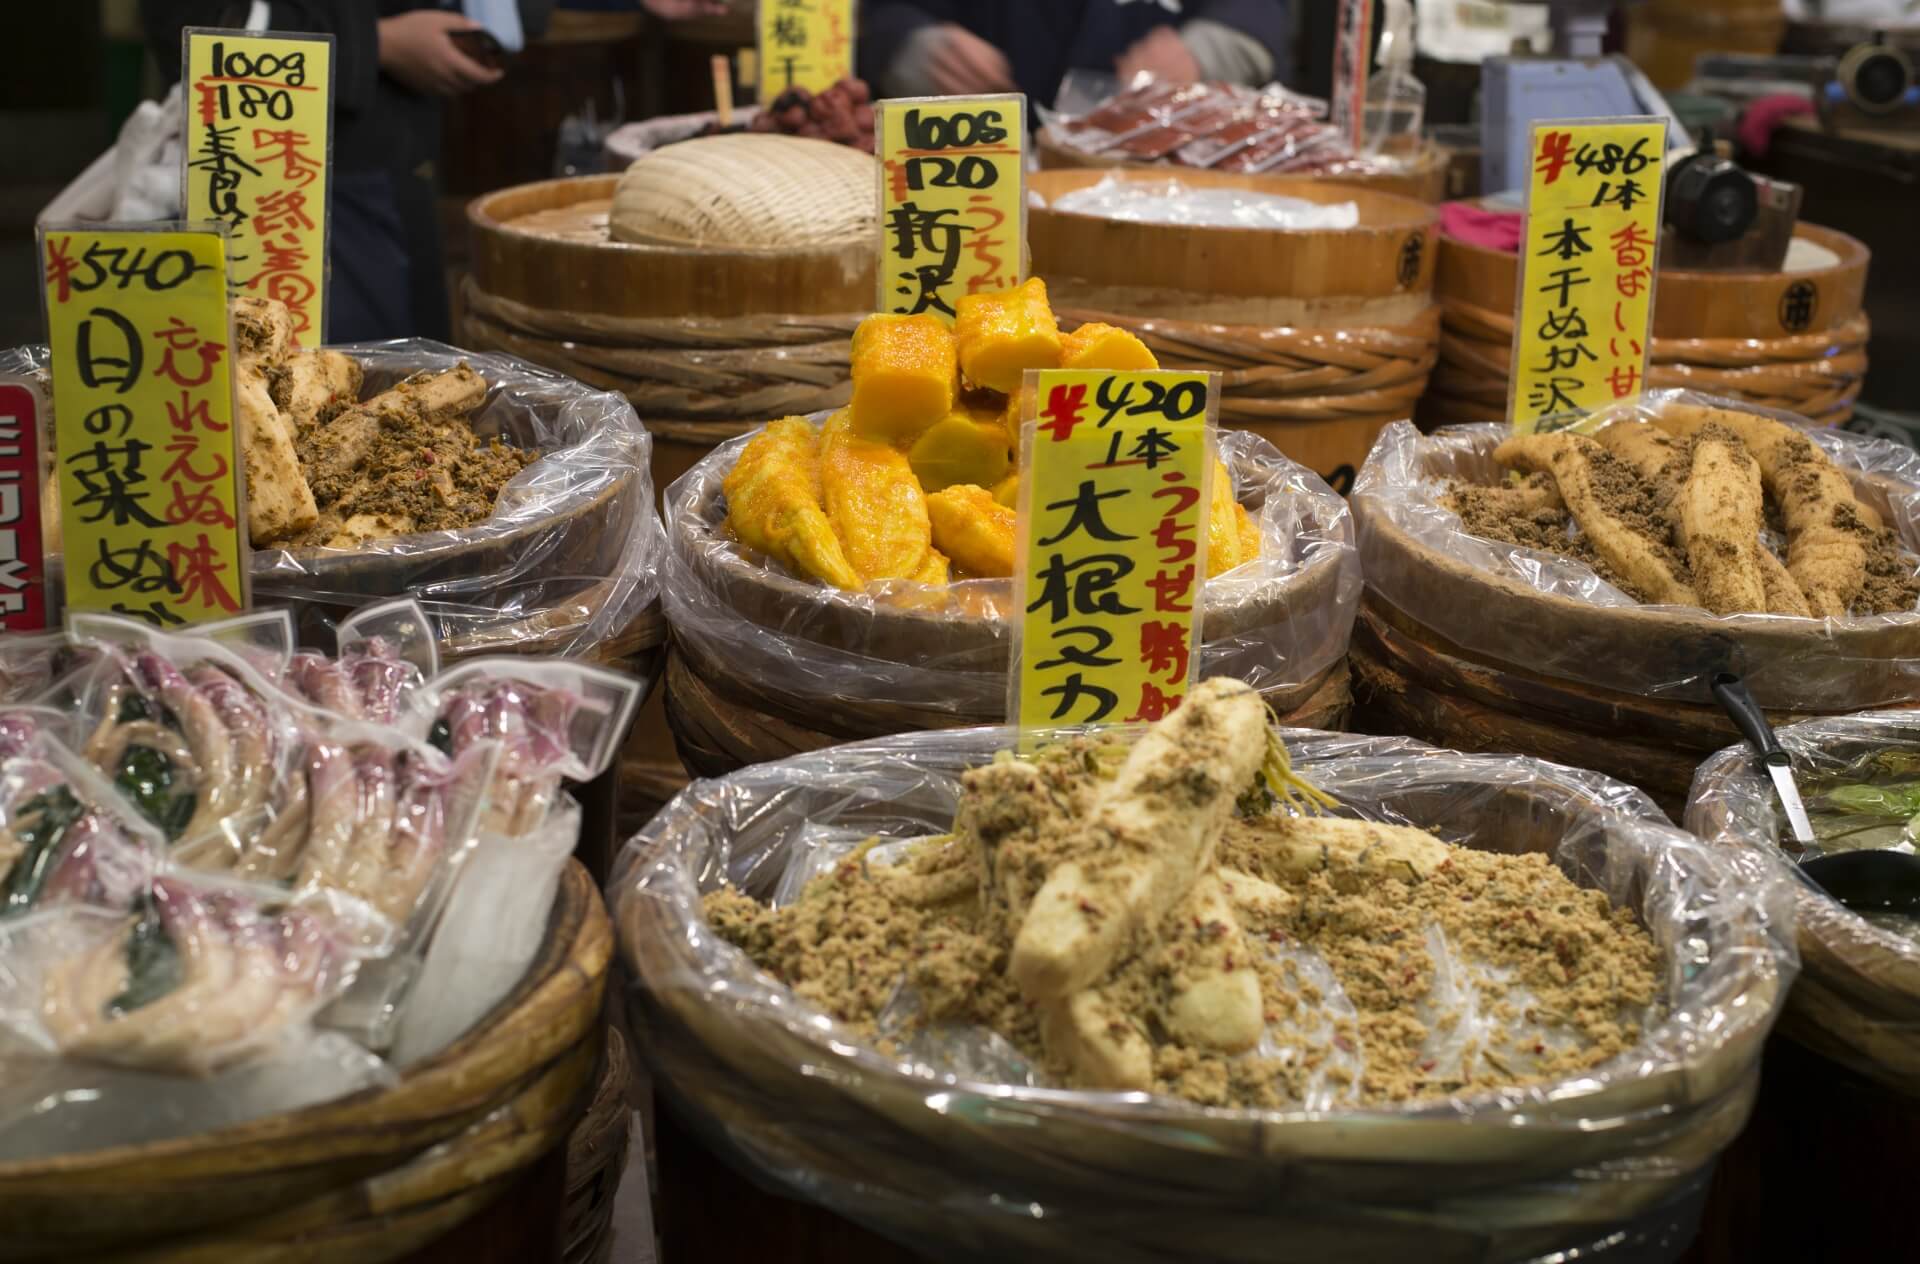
x=1114, y=499
x=258, y=131
x=804, y=44
x=953, y=199
x=1586, y=269
x=152, y=509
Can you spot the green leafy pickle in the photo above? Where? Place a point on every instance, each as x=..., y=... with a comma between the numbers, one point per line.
x=56, y=810
x=153, y=964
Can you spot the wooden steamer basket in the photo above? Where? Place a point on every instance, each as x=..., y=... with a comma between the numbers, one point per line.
x=1422, y=176
x=1790, y=340
x=1410, y=677
x=1322, y=336
x=722, y=720
x=910, y=1157
x=708, y=342
x=370, y=1178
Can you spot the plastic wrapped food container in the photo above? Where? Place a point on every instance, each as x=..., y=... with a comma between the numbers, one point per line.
x=567, y=562
x=1611, y=1163
x=902, y=656
x=1857, y=1000
x=1556, y=617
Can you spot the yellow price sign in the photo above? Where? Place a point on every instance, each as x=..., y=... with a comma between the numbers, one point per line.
x=1587, y=265
x=804, y=44
x=259, y=115
x=1114, y=495
x=152, y=506
x=953, y=199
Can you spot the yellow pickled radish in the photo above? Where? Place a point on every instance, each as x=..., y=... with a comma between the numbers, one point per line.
x=970, y=446
x=1098, y=346
x=903, y=376
x=973, y=529
x=1223, y=528
x=1007, y=491
x=1001, y=334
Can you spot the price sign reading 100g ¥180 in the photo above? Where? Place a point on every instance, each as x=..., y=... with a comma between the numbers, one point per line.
x=1114, y=498
x=152, y=506
x=953, y=199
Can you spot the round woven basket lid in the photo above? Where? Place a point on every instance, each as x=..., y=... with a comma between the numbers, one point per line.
x=746, y=189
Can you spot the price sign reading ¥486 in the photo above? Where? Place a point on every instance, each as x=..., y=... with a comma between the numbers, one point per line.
x=258, y=139
x=1586, y=269
x=152, y=508
x=953, y=199
x=804, y=44
x=1114, y=498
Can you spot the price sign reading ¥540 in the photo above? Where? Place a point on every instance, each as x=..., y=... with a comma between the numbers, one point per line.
x=1114, y=497
x=1586, y=269
x=152, y=508
x=804, y=44
x=953, y=199
x=259, y=112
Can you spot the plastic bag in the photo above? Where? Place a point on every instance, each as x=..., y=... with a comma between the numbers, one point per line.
x=385, y=654
x=1608, y=1162
x=569, y=558
x=1172, y=202
x=1664, y=651
x=801, y=647
x=1858, y=997
x=66, y=837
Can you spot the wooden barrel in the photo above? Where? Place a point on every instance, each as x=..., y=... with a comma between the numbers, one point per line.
x=1666, y=37
x=1790, y=340
x=1641, y=711
x=370, y=1178
x=707, y=342
x=1322, y=336
x=1422, y=176
x=724, y=716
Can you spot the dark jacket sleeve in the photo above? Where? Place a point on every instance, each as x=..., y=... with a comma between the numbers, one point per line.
x=1265, y=20
x=354, y=25
x=886, y=26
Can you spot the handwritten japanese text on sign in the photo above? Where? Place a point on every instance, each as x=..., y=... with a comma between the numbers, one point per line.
x=1586, y=269
x=23, y=599
x=151, y=509
x=953, y=199
x=804, y=44
x=1113, y=544
x=257, y=141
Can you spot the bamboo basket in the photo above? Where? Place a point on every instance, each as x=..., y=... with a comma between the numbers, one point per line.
x=1423, y=177
x=1322, y=337
x=708, y=342
x=363, y=1180
x=721, y=720
x=1410, y=678
x=1794, y=341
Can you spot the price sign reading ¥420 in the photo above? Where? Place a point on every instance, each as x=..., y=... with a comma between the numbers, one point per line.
x=1585, y=306
x=258, y=141
x=152, y=508
x=1114, y=497
x=953, y=199
x=804, y=44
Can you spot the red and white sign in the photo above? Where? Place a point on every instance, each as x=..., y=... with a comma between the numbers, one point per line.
x=23, y=595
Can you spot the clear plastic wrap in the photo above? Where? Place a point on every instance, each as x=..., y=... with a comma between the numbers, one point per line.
x=1172, y=202
x=570, y=556
x=66, y=837
x=1610, y=1163
x=1857, y=1000
x=1554, y=616
x=800, y=647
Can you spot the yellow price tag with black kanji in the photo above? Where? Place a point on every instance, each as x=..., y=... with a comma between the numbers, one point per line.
x=152, y=503
x=804, y=44
x=953, y=199
x=259, y=128
x=1587, y=268
x=1114, y=497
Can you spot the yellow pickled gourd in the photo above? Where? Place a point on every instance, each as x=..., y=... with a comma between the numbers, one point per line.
x=874, y=502
x=970, y=446
x=1003, y=333
x=973, y=529
x=1098, y=346
x=903, y=376
x=773, y=503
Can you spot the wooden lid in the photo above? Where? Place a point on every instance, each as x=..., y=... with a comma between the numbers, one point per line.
x=612, y=278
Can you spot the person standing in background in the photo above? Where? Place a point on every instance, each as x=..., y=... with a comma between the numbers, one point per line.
x=394, y=60
x=955, y=47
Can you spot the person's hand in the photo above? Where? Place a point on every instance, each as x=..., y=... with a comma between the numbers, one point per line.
x=417, y=49
x=960, y=63
x=674, y=10
x=1163, y=54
